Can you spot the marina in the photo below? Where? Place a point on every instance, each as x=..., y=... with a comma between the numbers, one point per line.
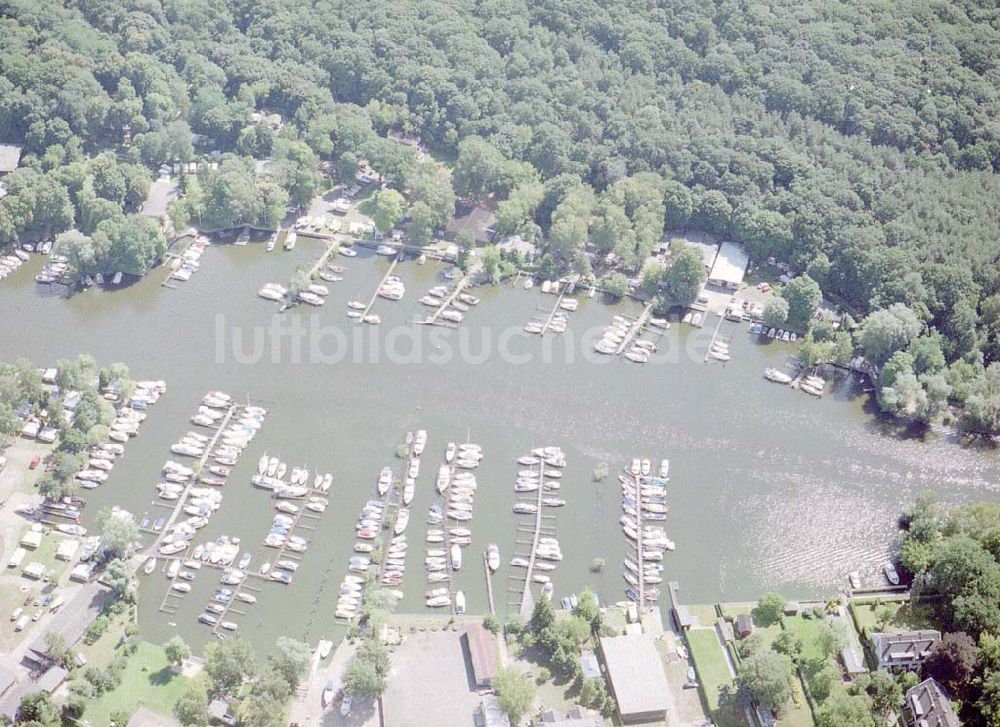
x=739, y=478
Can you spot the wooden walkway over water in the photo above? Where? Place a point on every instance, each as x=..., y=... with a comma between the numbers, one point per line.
x=367, y=310
x=432, y=319
x=179, y=507
x=333, y=247
x=527, y=600
x=555, y=309
x=635, y=329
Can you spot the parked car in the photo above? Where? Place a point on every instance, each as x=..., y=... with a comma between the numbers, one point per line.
x=35, y=461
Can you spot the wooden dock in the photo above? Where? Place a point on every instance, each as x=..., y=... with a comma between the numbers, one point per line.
x=638, y=540
x=527, y=599
x=555, y=309
x=635, y=328
x=432, y=319
x=393, y=499
x=715, y=335
x=367, y=310
x=179, y=508
x=325, y=257
x=489, y=584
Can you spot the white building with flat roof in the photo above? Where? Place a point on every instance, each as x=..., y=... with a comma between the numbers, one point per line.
x=730, y=266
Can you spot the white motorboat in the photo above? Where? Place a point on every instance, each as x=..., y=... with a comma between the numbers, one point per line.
x=402, y=520
x=443, y=478
x=384, y=481
x=456, y=557
x=493, y=557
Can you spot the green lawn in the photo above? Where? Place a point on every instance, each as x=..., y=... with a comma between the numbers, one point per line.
x=705, y=614
x=148, y=681
x=102, y=651
x=797, y=712
x=713, y=674
x=904, y=616
x=46, y=555
x=813, y=658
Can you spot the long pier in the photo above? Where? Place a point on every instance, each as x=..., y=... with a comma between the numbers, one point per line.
x=715, y=336
x=432, y=319
x=367, y=310
x=635, y=328
x=325, y=257
x=527, y=599
x=396, y=491
x=489, y=584
x=555, y=309
x=179, y=508
x=638, y=541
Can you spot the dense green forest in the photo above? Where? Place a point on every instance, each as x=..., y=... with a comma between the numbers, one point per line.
x=954, y=554
x=859, y=142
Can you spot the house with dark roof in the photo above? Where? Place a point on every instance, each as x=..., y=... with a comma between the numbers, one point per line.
x=478, y=220
x=904, y=651
x=744, y=625
x=481, y=644
x=927, y=705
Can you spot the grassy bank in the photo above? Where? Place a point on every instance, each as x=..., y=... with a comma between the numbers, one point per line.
x=713, y=674
x=148, y=681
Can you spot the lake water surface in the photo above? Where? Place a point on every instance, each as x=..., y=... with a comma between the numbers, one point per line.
x=771, y=489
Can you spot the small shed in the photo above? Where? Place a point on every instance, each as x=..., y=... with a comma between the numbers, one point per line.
x=682, y=617
x=30, y=430
x=853, y=663
x=744, y=625
x=481, y=644
x=218, y=712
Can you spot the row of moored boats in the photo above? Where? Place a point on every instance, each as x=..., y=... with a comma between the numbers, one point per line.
x=129, y=415
x=538, y=486
x=644, y=501
x=773, y=332
x=189, y=262
x=449, y=521
x=457, y=305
